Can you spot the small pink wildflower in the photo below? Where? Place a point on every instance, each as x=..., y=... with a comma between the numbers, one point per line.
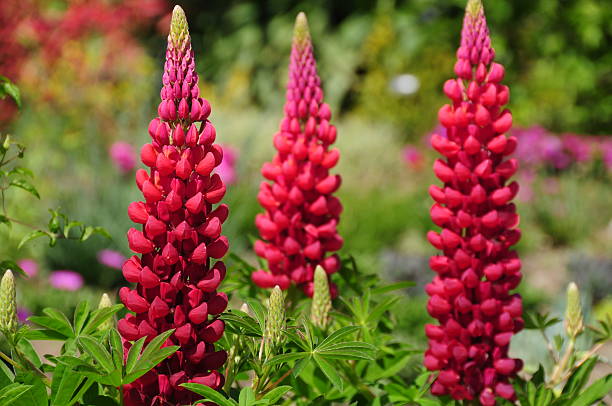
x=227, y=168
x=29, y=266
x=123, y=156
x=66, y=280
x=111, y=258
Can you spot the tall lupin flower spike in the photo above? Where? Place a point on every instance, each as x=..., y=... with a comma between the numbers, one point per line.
x=298, y=228
x=176, y=275
x=470, y=296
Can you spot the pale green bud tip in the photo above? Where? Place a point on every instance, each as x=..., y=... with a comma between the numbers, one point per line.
x=104, y=302
x=321, y=299
x=301, y=33
x=474, y=8
x=8, y=303
x=109, y=323
x=573, y=312
x=179, y=29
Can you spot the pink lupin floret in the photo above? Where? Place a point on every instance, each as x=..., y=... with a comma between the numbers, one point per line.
x=179, y=238
x=470, y=295
x=298, y=228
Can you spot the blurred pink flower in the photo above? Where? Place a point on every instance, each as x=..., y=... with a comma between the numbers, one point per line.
x=111, y=258
x=66, y=280
x=29, y=266
x=606, y=153
x=23, y=314
x=526, y=179
x=579, y=147
x=413, y=157
x=123, y=156
x=227, y=168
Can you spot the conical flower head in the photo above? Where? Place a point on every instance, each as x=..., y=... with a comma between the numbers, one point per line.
x=105, y=302
x=275, y=322
x=573, y=314
x=178, y=240
x=321, y=299
x=299, y=226
x=477, y=269
x=8, y=304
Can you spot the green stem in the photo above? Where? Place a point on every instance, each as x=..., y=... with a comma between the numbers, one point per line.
x=561, y=366
x=10, y=361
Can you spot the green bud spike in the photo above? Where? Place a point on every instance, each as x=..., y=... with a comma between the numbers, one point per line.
x=179, y=29
x=573, y=313
x=8, y=304
x=321, y=299
x=301, y=33
x=474, y=8
x=105, y=301
x=275, y=322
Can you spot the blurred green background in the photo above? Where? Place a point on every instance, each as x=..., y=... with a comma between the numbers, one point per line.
x=90, y=74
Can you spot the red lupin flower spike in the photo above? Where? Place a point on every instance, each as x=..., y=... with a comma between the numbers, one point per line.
x=179, y=241
x=476, y=270
x=298, y=228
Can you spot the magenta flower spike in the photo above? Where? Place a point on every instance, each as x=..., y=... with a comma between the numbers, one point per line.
x=298, y=228
x=476, y=270
x=179, y=239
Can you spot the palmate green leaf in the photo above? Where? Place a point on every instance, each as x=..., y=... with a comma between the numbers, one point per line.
x=209, y=394
x=276, y=394
x=80, y=316
x=285, y=358
x=90, y=230
x=98, y=317
x=259, y=311
x=595, y=392
x=150, y=357
x=26, y=350
x=392, y=287
x=337, y=336
x=246, y=397
x=378, y=310
x=241, y=323
x=11, y=393
x=537, y=321
x=37, y=396
x=348, y=350
x=329, y=370
x=55, y=325
x=579, y=377
x=133, y=354
x=97, y=352
x=116, y=346
x=65, y=383
x=41, y=335
x=25, y=185
x=300, y=365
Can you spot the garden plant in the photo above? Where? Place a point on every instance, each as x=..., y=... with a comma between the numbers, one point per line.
x=300, y=321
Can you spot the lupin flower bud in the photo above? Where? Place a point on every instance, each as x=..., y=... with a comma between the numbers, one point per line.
x=476, y=270
x=298, y=228
x=321, y=299
x=8, y=304
x=105, y=302
x=573, y=313
x=275, y=322
x=179, y=237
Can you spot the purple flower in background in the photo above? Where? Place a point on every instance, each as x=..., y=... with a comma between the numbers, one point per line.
x=606, y=153
x=111, y=258
x=23, y=314
x=29, y=266
x=579, y=147
x=123, y=156
x=413, y=157
x=227, y=168
x=526, y=179
x=66, y=280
